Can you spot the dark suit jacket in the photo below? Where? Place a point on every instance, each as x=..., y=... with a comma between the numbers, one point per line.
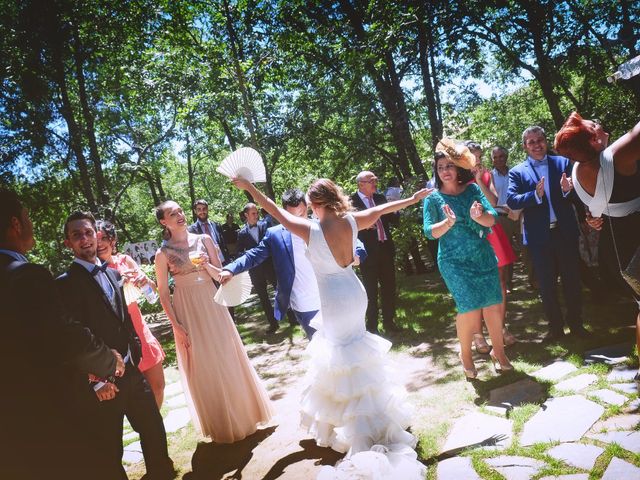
x=47, y=356
x=521, y=195
x=218, y=238
x=369, y=237
x=264, y=271
x=87, y=302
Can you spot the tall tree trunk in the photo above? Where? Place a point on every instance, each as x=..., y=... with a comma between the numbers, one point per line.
x=390, y=92
x=425, y=48
x=103, y=194
x=190, y=173
x=247, y=103
x=75, y=135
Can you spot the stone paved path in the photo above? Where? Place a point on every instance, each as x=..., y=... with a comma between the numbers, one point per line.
x=574, y=427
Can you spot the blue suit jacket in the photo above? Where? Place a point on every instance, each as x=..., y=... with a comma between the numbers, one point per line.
x=277, y=244
x=521, y=195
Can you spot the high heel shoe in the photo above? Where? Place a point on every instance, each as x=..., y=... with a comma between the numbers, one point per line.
x=500, y=367
x=508, y=337
x=470, y=373
x=481, y=343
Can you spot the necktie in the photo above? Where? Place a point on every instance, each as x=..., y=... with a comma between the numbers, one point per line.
x=381, y=235
x=206, y=229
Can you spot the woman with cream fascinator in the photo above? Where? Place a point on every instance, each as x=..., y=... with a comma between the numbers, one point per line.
x=460, y=216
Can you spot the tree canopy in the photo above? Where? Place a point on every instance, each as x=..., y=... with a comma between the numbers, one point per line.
x=117, y=106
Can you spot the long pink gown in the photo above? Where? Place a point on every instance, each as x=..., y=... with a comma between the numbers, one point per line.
x=225, y=395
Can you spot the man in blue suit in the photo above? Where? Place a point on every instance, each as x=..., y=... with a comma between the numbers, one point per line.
x=296, y=282
x=541, y=188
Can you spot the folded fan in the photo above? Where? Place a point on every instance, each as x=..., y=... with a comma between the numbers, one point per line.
x=131, y=293
x=246, y=163
x=235, y=291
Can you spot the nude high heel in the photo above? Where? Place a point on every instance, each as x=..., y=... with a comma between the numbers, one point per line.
x=500, y=367
x=470, y=373
x=481, y=343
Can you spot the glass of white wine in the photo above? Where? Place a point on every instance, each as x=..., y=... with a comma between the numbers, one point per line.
x=197, y=260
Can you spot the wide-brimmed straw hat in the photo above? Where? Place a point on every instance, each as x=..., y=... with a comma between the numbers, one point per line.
x=459, y=154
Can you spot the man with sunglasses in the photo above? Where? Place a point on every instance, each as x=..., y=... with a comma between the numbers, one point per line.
x=379, y=269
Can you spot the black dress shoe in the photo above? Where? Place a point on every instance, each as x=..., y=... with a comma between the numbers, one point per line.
x=272, y=329
x=391, y=327
x=554, y=336
x=580, y=331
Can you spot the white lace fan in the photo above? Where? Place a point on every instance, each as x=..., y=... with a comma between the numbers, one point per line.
x=246, y=163
x=131, y=293
x=235, y=291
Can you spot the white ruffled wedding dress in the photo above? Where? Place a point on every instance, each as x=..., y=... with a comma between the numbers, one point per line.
x=352, y=403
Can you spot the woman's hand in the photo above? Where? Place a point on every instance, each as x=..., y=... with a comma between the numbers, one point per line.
x=476, y=210
x=181, y=336
x=478, y=171
x=420, y=194
x=241, y=183
x=451, y=216
x=140, y=279
x=594, y=222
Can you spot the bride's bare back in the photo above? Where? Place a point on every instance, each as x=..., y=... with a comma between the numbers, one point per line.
x=338, y=235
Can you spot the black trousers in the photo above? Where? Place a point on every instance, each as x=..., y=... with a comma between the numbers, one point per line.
x=559, y=256
x=136, y=401
x=379, y=276
x=260, y=282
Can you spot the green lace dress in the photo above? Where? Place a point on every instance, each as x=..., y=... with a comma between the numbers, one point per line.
x=465, y=257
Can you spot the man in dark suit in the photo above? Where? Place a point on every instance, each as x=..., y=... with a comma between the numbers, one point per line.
x=296, y=286
x=93, y=293
x=249, y=236
x=541, y=188
x=41, y=436
x=379, y=268
x=205, y=226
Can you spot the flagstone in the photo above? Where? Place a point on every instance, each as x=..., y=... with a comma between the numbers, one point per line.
x=515, y=467
x=576, y=454
x=609, y=396
x=177, y=419
x=619, y=422
x=563, y=419
x=172, y=389
x=622, y=374
x=626, y=439
x=132, y=453
x=619, y=469
x=576, y=383
x=130, y=436
x=457, y=468
x=633, y=406
x=516, y=394
x=177, y=401
x=628, y=388
x=475, y=429
x=555, y=371
x=571, y=476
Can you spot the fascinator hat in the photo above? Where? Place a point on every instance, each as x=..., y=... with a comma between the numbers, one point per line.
x=459, y=154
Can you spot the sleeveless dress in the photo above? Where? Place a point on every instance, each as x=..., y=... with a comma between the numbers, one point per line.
x=498, y=238
x=624, y=190
x=152, y=352
x=226, y=398
x=465, y=258
x=352, y=403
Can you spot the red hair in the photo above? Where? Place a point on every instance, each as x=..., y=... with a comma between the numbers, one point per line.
x=573, y=140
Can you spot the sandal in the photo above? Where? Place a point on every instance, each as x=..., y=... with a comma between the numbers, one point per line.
x=470, y=373
x=508, y=337
x=481, y=343
x=500, y=367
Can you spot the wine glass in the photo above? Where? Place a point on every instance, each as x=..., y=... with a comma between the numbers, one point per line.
x=196, y=260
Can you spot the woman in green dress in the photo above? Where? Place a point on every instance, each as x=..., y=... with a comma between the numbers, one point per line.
x=460, y=216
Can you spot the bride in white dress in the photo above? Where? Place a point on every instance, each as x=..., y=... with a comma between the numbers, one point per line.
x=352, y=403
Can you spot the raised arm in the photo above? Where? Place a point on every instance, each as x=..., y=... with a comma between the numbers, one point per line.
x=296, y=225
x=366, y=218
x=626, y=151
